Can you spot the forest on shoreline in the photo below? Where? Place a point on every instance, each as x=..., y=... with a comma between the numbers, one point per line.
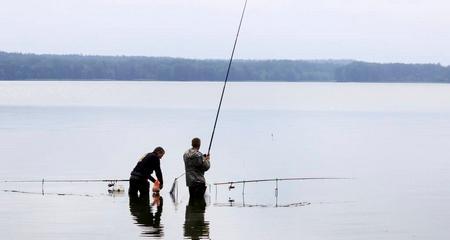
x=18, y=66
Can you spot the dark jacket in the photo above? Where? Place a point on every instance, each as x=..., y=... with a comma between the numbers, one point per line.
x=145, y=167
x=195, y=165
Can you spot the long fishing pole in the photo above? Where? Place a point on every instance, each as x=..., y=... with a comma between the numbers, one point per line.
x=223, y=92
x=111, y=183
x=65, y=180
x=226, y=77
x=278, y=179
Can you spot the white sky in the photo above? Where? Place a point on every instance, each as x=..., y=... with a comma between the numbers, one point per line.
x=370, y=30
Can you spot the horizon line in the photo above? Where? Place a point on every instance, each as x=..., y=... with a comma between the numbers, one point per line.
x=224, y=59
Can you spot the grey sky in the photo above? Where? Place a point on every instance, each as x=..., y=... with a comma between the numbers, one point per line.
x=370, y=30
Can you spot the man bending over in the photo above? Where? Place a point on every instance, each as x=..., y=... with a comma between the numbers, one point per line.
x=142, y=173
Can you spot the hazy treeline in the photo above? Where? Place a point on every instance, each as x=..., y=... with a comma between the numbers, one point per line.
x=16, y=66
x=30, y=66
x=393, y=72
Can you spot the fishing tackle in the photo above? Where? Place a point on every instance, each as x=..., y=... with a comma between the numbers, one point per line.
x=226, y=77
x=172, y=190
x=231, y=184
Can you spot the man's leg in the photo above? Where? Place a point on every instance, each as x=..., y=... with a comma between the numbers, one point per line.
x=133, y=190
x=197, y=191
x=144, y=189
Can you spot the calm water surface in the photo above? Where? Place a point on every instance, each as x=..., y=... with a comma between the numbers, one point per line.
x=392, y=139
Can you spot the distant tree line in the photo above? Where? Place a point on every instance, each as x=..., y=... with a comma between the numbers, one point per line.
x=17, y=66
x=394, y=72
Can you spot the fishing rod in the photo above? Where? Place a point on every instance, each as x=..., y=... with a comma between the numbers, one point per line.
x=44, y=193
x=226, y=77
x=221, y=96
x=278, y=180
x=65, y=180
x=111, y=183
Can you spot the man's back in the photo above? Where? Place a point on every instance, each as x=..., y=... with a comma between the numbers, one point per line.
x=146, y=166
x=196, y=165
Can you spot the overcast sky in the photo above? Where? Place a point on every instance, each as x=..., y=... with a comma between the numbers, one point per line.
x=369, y=30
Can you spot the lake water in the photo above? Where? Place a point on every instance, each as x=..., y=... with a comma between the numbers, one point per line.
x=393, y=140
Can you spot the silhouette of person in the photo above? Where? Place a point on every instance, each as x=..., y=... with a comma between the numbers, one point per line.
x=195, y=226
x=142, y=212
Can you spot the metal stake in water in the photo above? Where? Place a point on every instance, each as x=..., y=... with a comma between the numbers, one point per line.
x=42, y=187
x=276, y=192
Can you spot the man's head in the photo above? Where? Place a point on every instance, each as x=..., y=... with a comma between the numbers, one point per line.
x=196, y=143
x=159, y=151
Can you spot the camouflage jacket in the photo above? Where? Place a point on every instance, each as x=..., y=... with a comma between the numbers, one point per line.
x=195, y=166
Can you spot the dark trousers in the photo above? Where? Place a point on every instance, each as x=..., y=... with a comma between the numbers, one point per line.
x=197, y=191
x=195, y=226
x=141, y=186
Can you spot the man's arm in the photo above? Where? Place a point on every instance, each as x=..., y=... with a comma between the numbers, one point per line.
x=199, y=161
x=152, y=179
x=159, y=176
x=206, y=164
x=147, y=161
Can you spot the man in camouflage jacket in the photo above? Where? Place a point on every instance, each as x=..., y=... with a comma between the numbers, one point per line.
x=196, y=164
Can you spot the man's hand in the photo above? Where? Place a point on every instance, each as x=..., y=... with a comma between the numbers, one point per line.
x=160, y=185
x=207, y=157
x=156, y=186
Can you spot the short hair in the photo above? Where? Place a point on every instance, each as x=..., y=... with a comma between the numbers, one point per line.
x=159, y=150
x=196, y=142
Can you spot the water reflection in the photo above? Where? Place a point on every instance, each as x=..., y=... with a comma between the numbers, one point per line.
x=195, y=226
x=143, y=213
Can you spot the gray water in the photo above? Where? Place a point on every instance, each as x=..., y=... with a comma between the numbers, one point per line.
x=391, y=139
